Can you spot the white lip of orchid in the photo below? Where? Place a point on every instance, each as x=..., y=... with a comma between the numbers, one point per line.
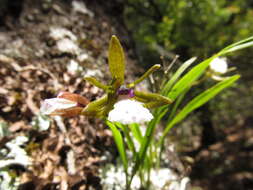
x=129, y=111
x=53, y=105
x=219, y=65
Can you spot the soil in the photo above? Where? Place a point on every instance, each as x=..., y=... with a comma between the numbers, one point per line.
x=33, y=69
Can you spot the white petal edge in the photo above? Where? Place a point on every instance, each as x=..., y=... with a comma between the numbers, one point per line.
x=50, y=106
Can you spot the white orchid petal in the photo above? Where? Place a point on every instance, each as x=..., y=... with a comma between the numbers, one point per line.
x=51, y=106
x=219, y=65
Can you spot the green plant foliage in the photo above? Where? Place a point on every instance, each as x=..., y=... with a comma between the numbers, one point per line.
x=120, y=144
x=199, y=101
x=188, y=27
x=176, y=76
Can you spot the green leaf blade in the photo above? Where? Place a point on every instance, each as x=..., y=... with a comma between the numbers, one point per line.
x=234, y=45
x=119, y=143
x=177, y=74
x=188, y=79
x=200, y=100
x=135, y=128
x=238, y=47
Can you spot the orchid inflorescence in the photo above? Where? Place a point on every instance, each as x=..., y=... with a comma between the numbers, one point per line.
x=69, y=104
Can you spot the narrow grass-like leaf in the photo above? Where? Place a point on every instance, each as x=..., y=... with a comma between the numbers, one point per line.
x=148, y=137
x=135, y=128
x=176, y=105
x=199, y=101
x=175, y=76
x=116, y=60
x=238, y=47
x=129, y=140
x=236, y=44
x=119, y=143
x=188, y=79
x=144, y=145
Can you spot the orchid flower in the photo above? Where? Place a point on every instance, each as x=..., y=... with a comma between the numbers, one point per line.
x=117, y=90
x=69, y=104
x=219, y=65
x=218, y=68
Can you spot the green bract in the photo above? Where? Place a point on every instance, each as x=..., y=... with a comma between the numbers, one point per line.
x=102, y=106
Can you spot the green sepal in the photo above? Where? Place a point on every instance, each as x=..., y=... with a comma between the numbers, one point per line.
x=116, y=61
x=95, y=108
x=96, y=83
x=145, y=75
x=151, y=100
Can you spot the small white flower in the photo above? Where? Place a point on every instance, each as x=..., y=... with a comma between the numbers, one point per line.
x=129, y=111
x=219, y=65
x=53, y=106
